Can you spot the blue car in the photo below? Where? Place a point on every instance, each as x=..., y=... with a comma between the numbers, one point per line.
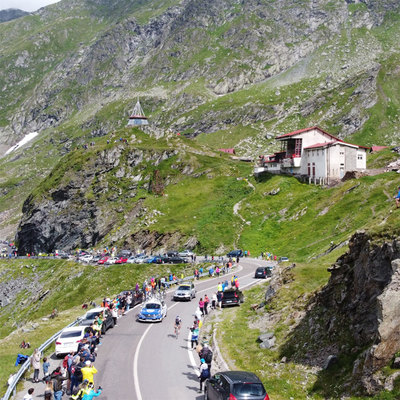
x=153, y=310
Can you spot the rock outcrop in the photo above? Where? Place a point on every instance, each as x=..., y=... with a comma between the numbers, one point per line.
x=87, y=199
x=357, y=312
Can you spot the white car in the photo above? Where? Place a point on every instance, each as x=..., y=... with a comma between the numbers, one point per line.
x=186, y=253
x=69, y=339
x=111, y=260
x=86, y=258
x=185, y=291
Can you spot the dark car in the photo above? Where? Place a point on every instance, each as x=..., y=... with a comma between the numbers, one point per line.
x=232, y=297
x=235, y=253
x=176, y=260
x=263, y=272
x=91, y=315
x=237, y=385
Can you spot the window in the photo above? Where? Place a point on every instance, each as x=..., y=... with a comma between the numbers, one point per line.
x=313, y=169
x=360, y=157
x=317, y=152
x=309, y=169
x=341, y=152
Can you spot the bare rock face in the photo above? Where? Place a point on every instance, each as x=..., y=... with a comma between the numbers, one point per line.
x=85, y=201
x=357, y=312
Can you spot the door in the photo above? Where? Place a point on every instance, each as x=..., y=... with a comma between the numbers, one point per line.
x=341, y=172
x=313, y=169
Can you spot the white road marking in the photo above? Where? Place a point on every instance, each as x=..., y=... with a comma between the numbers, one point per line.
x=136, y=358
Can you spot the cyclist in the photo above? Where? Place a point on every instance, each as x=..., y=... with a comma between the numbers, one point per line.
x=177, y=326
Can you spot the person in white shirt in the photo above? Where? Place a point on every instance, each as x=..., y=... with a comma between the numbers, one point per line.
x=28, y=396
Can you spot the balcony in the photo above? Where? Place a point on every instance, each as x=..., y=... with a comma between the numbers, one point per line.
x=292, y=162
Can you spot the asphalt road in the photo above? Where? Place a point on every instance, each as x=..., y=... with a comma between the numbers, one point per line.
x=145, y=361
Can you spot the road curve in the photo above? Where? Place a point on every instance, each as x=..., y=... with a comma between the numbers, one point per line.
x=141, y=361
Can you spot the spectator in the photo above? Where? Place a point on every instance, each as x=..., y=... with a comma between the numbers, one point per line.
x=91, y=393
x=46, y=366
x=35, y=362
x=48, y=390
x=88, y=371
x=57, y=380
x=204, y=373
x=28, y=396
x=397, y=197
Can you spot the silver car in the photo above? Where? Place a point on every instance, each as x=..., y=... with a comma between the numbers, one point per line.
x=185, y=291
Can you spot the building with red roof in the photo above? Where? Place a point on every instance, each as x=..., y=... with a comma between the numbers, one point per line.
x=316, y=154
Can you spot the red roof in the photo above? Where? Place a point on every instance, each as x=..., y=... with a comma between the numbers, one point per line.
x=314, y=146
x=307, y=130
x=229, y=151
x=378, y=148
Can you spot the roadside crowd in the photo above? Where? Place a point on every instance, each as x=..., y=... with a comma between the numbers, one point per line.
x=75, y=376
x=206, y=305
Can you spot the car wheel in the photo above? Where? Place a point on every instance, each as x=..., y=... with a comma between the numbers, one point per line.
x=103, y=330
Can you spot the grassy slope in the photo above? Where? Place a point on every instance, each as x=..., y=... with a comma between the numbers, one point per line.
x=70, y=285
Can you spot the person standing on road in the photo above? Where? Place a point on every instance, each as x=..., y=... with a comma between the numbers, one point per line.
x=48, y=390
x=88, y=371
x=35, y=362
x=83, y=389
x=46, y=366
x=214, y=301
x=114, y=314
x=204, y=373
x=195, y=336
x=201, y=306
x=91, y=392
x=57, y=380
x=206, y=302
x=219, y=299
x=28, y=396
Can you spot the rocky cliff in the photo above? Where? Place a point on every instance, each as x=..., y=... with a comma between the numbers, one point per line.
x=223, y=46
x=356, y=315
x=86, y=197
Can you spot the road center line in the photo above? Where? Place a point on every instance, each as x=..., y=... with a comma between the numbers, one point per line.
x=136, y=358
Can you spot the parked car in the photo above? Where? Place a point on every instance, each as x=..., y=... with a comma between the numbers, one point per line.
x=263, y=272
x=69, y=339
x=176, y=260
x=185, y=253
x=91, y=315
x=140, y=259
x=86, y=258
x=235, y=253
x=103, y=260
x=185, y=291
x=239, y=385
x=283, y=259
x=153, y=310
x=153, y=260
x=121, y=260
x=232, y=297
x=111, y=260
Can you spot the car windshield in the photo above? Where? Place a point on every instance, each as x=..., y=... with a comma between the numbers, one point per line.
x=70, y=334
x=184, y=287
x=248, y=389
x=261, y=269
x=92, y=315
x=153, y=306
